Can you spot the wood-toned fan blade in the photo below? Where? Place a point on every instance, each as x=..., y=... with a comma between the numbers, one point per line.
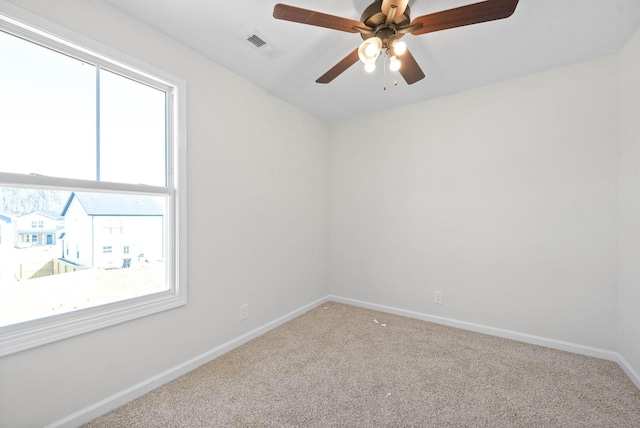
x=409, y=68
x=476, y=13
x=310, y=17
x=340, y=67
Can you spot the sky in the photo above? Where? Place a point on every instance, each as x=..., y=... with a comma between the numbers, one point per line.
x=48, y=118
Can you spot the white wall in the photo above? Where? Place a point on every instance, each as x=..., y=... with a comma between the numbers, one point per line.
x=629, y=205
x=503, y=198
x=257, y=229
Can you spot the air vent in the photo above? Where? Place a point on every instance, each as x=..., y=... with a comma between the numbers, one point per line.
x=256, y=41
x=265, y=48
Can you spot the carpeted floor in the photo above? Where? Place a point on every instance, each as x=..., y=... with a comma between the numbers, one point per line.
x=342, y=366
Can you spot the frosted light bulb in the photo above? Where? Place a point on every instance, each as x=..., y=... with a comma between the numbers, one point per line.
x=370, y=66
x=371, y=51
x=394, y=64
x=399, y=48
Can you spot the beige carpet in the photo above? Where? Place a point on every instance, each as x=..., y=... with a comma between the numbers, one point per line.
x=342, y=366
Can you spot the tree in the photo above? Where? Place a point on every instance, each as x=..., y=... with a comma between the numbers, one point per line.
x=18, y=201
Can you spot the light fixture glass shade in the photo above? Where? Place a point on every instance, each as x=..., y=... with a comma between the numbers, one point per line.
x=394, y=63
x=370, y=66
x=370, y=49
x=399, y=48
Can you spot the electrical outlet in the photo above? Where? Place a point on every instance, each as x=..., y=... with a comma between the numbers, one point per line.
x=437, y=297
x=244, y=312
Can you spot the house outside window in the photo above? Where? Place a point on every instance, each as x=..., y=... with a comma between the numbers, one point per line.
x=82, y=116
x=113, y=227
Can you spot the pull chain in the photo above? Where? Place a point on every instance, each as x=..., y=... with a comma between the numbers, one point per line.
x=384, y=73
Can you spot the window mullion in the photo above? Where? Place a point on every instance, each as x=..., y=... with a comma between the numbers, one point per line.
x=97, y=123
x=8, y=179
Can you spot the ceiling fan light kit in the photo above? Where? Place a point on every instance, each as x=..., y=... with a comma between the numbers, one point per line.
x=399, y=47
x=369, y=51
x=394, y=63
x=384, y=22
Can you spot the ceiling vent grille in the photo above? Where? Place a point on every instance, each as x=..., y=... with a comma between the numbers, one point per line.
x=265, y=48
x=256, y=41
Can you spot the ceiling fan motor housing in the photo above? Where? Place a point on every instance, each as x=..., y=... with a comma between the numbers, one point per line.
x=373, y=17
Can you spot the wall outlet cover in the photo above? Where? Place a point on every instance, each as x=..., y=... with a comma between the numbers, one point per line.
x=244, y=312
x=437, y=297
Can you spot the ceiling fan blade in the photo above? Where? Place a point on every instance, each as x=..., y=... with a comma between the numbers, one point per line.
x=410, y=70
x=476, y=13
x=311, y=17
x=340, y=67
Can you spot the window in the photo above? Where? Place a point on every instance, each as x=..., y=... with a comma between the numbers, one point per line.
x=113, y=227
x=80, y=117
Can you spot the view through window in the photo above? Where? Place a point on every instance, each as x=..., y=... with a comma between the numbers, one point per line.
x=85, y=249
x=87, y=186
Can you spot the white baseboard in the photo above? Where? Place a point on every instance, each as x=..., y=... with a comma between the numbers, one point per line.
x=633, y=374
x=507, y=334
x=110, y=403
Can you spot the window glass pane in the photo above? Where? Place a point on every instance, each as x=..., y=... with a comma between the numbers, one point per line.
x=47, y=111
x=132, y=131
x=75, y=261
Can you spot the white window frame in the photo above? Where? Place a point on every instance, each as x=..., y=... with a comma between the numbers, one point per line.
x=29, y=334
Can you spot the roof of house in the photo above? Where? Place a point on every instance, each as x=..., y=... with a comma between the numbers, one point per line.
x=50, y=214
x=113, y=204
x=5, y=218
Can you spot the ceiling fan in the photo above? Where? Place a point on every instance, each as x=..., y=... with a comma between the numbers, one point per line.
x=384, y=22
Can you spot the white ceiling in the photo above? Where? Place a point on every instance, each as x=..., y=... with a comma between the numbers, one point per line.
x=540, y=35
